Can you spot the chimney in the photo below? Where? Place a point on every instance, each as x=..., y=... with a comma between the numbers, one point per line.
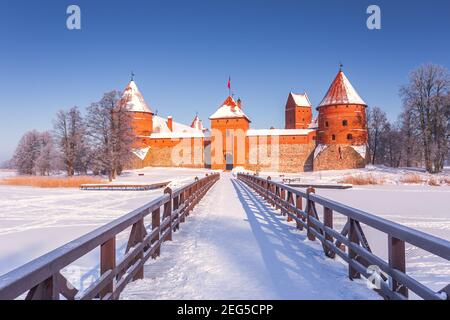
x=170, y=123
x=239, y=103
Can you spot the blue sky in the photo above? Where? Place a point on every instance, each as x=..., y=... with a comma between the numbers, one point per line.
x=183, y=52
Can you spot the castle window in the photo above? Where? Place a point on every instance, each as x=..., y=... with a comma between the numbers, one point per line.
x=349, y=136
x=326, y=124
x=333, y=137
x=344, y=123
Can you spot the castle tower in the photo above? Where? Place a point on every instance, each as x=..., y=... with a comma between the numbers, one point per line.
x=298, y=111
x=229, y=126
x=342, y=132
x=197, y=124
x=134, y=102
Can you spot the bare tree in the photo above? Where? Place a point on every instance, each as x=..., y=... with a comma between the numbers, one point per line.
x=425, y=98
x=47, y=161
x=110, y=129
x=35, y=154
x=376, y=124
x=69, y=130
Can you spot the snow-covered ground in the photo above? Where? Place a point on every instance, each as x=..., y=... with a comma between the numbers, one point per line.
x=424, y=208
x=234, y=246
x=385, y=175
x=231, y=251
x=34, y=221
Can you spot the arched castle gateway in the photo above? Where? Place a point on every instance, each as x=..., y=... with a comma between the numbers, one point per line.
x=337, y=139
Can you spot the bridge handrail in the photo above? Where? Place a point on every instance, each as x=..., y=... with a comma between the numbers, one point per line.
x=42, y=278
x=289, y=200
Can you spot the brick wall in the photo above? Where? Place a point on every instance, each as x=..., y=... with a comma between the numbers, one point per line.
x=283, y=156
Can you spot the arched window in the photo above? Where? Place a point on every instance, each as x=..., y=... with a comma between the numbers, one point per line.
x=333, y=137
x=349, y=136
x=344, y=123
x=326, y=124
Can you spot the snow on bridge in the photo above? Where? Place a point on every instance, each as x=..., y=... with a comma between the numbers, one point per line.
x=235, y=246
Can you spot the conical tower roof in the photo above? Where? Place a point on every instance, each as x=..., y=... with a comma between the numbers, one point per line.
x=341, y=91
x=133, y=100
x=197, y=123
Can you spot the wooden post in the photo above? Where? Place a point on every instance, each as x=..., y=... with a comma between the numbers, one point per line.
x=352, y=237
x=310, y=212
x=283, y=198
x=46, y=290
x=299, y=205
x=328, y=222
x=156, y=223
x=396, y=252
x=268, y=190
x=290, y=200
x=168, y=214
x=108, y=262
x=175, y=207
x=139, y=238
x=182, y=202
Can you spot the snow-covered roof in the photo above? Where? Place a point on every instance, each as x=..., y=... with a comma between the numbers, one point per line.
x=301, y=100
x=314, y=124
x=278, y=132
x=229, y=109
x=197, y=123
x=341, y=91
x=161, y=130
x=133, y=100
x=141, y=153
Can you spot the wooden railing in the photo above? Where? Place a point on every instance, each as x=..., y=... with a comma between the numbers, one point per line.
x=351, y=244
x=42, y=278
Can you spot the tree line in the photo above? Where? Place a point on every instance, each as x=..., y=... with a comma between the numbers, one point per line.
x=100, y=142
x=420, y=137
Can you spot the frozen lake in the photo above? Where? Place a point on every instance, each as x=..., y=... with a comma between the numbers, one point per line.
x=34, y=221
x=424, y=208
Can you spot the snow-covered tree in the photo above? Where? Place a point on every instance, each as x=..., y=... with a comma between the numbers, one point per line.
x=110, y=129
x=35, y=154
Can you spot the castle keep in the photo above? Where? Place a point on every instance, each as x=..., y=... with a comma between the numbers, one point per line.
x=336, y=139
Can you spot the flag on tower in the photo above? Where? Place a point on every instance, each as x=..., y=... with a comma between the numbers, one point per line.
x=229, y=85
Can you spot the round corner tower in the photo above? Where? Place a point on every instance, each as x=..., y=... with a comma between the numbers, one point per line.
x=342, y=133
x=142, y=116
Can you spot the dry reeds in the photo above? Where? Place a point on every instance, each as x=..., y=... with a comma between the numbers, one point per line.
x=412, y=178
x=50, y=182
x=362, y=179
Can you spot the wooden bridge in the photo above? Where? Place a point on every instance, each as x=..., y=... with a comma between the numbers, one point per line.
x=42, y=278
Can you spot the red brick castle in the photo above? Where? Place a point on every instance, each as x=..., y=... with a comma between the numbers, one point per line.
x=337, y=139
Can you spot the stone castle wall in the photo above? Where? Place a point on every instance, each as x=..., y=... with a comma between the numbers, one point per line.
x=338, y=157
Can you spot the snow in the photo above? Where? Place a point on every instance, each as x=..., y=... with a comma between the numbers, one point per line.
x=34, y=221
x=197, y=124
x=319, y=149
x=278, y=132
x=341, y=91
x=301, y=100
x=141, y=153
x=361, y=150
x=133, y=100
x=234, y=246
x=162, y=131
x=229, y=109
